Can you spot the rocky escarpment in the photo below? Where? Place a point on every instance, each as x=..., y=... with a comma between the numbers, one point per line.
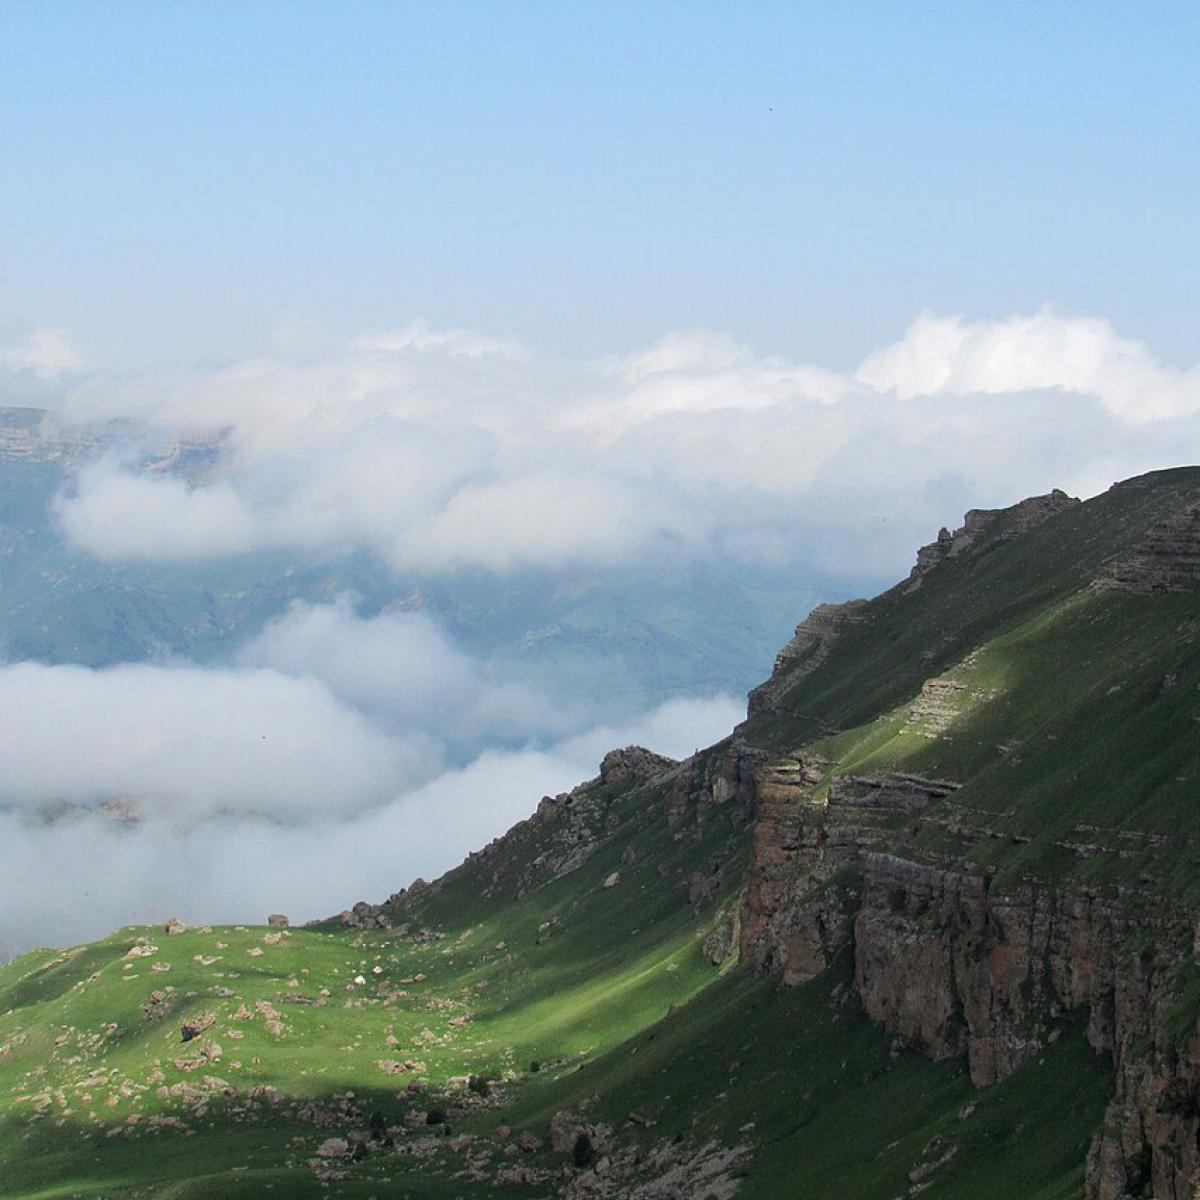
x=825, y=627
x=811, y=645
x=1165, y=559
x=725, y=780
x=955, y=965
x=985, y=527
x=633, y=765
x=35, y=435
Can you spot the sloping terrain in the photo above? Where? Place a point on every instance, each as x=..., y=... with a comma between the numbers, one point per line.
x=923, y=926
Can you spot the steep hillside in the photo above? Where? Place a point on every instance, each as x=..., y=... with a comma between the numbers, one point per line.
x=997, y=760
x=923, y=925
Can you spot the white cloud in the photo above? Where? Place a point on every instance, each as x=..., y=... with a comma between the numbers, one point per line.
x=443, y=449
x=423, y=337
x=676, y=728
x=85, y=875
x=949, y=356
x=45, y=353
x=184, y=740
x=403, y=671
x=545, y=518
x=309, y=773
x=116, y=514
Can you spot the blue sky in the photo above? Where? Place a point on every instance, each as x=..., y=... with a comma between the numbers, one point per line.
x=190, y=179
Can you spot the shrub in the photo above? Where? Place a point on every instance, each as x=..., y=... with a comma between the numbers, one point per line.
x=584, y=1153
x=479, y=1085
x=435, y=1116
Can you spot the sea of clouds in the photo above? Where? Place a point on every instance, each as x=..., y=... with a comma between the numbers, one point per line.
x=335, y=756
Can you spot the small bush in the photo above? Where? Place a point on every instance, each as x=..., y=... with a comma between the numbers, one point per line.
x=534, y=1067
x=377, y=1127
x=584, y=1153
x=435, y=1116
x=479, y=1085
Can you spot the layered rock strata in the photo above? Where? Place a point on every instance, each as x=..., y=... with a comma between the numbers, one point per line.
x=811, y=645
x=1166, y=559
x=984, y=527
x=957, y=966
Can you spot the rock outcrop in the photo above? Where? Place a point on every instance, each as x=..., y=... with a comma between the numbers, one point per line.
x=811, y=645
x=366, y=916
x=717, y=781
x=985, y=527
x=956, y=966
x=632, y=765
x=1166, y=558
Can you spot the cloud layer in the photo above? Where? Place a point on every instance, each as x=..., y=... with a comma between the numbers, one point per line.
x=85, y=874
x=446, y=449
x=336, y=755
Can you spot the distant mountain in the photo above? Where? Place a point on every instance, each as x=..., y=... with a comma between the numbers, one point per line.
x=923, y=925
x=626, y=638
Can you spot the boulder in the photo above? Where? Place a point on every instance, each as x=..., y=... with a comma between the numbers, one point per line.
x=632, y=765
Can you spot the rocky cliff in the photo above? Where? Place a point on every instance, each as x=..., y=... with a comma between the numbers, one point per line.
x=985, y=527
x=963, y=944
x=954, y=966
x=814, y=638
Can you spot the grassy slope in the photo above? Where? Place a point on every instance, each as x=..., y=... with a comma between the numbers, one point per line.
x=1081, y=705
x=1080, y=709
x=828, y=1099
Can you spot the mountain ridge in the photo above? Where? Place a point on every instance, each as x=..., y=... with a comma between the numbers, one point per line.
x=923, y=924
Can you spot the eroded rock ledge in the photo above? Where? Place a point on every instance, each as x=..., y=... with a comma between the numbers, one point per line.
x=1166, y=558
x=956, y=965
x=983, y=527
x=814, y=638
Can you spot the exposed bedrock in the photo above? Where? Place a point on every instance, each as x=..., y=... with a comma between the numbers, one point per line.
x=956, y=965
x=1165, y=559
x=810, y=646
x=725, y=780
x=983, y=527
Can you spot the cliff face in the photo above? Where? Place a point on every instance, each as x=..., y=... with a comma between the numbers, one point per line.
x=956, y=949
x=955, y=966
x=983, y=527
x=1165, y=559
x=814, y=638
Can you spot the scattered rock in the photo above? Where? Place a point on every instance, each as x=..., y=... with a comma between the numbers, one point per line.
x=632, y=765
x=194, y=1028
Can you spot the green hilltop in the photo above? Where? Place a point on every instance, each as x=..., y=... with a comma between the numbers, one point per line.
x=920, y=926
